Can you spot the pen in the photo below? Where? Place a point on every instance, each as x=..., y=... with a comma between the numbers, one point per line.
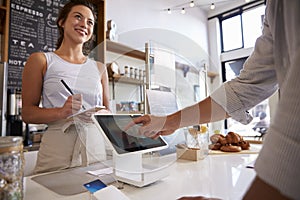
x=69, y=89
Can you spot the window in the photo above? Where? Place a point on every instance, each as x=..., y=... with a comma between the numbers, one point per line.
x=240, y=27
x=232, y=33
x=252, y=25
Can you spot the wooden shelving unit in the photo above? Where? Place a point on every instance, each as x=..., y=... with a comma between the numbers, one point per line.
x=101, y=26
x=4, y=30
x=130, y=52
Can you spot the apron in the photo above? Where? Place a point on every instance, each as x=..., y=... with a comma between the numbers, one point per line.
x=70, y=143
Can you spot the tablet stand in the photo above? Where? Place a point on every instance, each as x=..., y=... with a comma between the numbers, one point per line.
x=138, y=171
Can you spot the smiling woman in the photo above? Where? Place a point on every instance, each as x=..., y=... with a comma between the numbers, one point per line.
x=66, y=142
x=76, y=17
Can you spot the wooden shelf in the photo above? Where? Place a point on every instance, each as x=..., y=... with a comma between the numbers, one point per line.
x=212, y=74
x=124, y=50
x=3, y=8
x=123, y=79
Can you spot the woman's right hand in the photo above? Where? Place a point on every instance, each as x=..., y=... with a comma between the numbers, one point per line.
x=72, y=105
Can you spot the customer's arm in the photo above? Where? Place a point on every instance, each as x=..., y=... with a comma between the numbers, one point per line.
x=199, y=113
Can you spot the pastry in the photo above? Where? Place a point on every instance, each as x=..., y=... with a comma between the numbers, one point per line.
x=215, y=146
x=232, y=138
x=215, y=138
x=231, y=148
x=245, y=145
x=232, y=142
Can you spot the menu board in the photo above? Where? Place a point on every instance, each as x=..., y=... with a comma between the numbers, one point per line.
x=32, y=29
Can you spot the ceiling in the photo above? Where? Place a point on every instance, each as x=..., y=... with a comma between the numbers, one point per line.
x=203, y=4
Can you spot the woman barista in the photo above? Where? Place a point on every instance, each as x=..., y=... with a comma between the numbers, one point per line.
x=68, y=141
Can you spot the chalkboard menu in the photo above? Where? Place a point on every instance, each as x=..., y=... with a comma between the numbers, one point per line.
x=32, y=29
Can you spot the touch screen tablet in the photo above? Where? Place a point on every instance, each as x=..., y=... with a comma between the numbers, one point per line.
x=124, y=142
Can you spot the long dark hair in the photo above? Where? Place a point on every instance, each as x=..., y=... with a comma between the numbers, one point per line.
x=63, y=14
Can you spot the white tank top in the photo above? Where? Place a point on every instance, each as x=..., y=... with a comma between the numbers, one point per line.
x=83, y=79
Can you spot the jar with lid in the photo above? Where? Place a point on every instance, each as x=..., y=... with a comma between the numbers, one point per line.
x=11, y=167
x=132, y=72
x=141, y=74
x=126, y=71
x=136, y=73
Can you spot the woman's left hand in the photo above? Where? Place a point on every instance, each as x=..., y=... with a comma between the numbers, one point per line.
x=87, y=116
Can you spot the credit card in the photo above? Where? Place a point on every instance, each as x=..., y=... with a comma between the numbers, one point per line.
x=94, y=186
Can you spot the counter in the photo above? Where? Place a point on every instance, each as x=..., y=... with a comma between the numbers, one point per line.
x=224, y=176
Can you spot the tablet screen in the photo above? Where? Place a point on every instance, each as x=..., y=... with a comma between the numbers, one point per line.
x=112, y=126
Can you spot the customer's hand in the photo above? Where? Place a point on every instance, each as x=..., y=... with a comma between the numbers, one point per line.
x=153, y=126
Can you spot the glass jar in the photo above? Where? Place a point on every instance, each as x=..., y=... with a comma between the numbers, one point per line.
x=198, y=139
x=126, y=71
x=141, y=74
x=136, y=73
x=131, y=72
x=11, y=168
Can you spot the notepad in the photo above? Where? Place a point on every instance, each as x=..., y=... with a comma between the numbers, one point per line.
x=91, y=110
x=100, y=172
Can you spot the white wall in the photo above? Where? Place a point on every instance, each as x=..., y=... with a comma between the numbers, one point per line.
x=140, y=21
x=185, y=36
x=148, y=21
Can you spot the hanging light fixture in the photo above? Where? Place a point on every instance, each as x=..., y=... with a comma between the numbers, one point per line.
x=182, y=11
x=212, y=6
x=169, y=11
x=192, y=4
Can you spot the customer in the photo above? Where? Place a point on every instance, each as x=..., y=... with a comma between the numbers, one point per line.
x=68, y=142
x=274, y=63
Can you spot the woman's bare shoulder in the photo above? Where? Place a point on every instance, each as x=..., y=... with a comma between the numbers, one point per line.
x=36, y=61
x=37, y=56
